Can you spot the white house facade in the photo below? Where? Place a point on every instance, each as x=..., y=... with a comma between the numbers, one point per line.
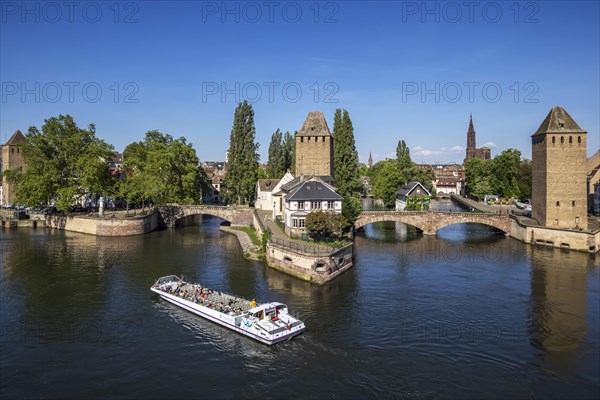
x=306, y=197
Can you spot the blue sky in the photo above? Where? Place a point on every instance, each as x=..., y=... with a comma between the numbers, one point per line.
x=404, y=70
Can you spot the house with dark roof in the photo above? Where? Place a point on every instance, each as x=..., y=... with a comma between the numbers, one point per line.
x=304, y=197
x=411, y=189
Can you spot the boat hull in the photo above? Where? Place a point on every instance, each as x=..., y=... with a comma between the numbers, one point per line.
x=229, y=321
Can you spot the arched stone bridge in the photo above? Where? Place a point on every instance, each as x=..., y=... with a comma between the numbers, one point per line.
x=236, y=215
x=430, y=221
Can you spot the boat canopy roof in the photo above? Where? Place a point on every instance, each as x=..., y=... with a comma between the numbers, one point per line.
x=266, y=306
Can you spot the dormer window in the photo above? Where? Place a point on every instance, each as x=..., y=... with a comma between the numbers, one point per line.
x=561, y=124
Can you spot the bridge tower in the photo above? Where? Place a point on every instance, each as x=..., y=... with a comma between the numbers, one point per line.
x=558, y=172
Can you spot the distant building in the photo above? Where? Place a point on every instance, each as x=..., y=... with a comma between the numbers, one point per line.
x=216, y=172
x=410, y=189
x=558, y=172
x=484, y=153
x=314, y=147
x=370, y=162
x=448, y=186
x=12, y=159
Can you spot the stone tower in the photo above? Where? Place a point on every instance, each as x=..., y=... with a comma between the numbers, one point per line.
x=471, y=140
x=314, y=147
x=558, y=172
x=370, y=162
x=12, y=158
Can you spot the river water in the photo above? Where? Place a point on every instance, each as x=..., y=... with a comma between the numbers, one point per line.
x=467, y=314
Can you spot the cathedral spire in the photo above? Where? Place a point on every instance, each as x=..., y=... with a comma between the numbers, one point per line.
x=471, y=142
x=370, y=162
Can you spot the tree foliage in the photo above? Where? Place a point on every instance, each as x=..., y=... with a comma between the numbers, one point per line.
x=324, y=224
x=162, y=170
x=403, y=156
x=386, y=180
x=506, y=175
x=64, y=163
x=242, y=169
x=345, y=165
x=289, y=152
x=276, y=162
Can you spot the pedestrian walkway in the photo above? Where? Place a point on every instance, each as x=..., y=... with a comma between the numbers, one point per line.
x=483, y=207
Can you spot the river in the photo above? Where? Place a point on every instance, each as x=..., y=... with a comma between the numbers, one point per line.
x=467, y=314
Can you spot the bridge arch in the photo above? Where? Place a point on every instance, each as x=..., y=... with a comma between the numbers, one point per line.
x=237, y=216
x=429, y=222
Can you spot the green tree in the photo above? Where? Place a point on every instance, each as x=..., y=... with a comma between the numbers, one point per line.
x=242, y=169
x=386, y=181
x=289, y=153
x=276, y=162
x=403, y=156
x=345, y=164
x=524, y=178
x=64, y=163
x=324, y=224
x=503, y=173
x=162, y=170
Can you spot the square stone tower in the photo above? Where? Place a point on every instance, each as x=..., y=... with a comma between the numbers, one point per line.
x=558, y=172
x=314, y=147
x=12, y=158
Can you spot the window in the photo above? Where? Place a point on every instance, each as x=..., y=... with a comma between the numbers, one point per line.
x=301, y=223
x=308, y=139
x=314, y=205
x=562, y=139
x=570, y=139
x=573, y=203
x=578, y=139
x=301, y=205
x=553, y=140
x=558, y=204
x=555, y=222
x=12, y=150
x=330, y=205
x=294, y=222
x=302, y=138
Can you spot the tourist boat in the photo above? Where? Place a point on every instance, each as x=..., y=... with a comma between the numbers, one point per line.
x=268, y=323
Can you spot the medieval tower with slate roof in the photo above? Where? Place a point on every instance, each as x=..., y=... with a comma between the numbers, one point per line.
x=558, y=172
x=314, y=148
x=12, y=158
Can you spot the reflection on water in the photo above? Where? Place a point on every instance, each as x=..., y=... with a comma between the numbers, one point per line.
x=467, y=313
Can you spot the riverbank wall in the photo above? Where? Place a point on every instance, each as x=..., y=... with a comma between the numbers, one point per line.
x=585, y=241
x=104, y=226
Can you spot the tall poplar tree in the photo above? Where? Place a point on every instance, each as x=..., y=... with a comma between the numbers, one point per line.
x=345, y=164
x=289, y=152
x=242, y=167
x=276, y=162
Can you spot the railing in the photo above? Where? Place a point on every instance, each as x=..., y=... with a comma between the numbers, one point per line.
x=307, y=249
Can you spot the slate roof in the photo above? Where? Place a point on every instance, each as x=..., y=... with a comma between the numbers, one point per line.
x=558, y=121
x=15, y=139
x=267, y=185
x=408, y=188
x=315, y=125
x=313, y=190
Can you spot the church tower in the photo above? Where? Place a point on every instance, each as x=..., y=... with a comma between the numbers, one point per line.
x=314, y=148
x=370, y=162
x=558, y=172
x=485, y=153
x=471, y=141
